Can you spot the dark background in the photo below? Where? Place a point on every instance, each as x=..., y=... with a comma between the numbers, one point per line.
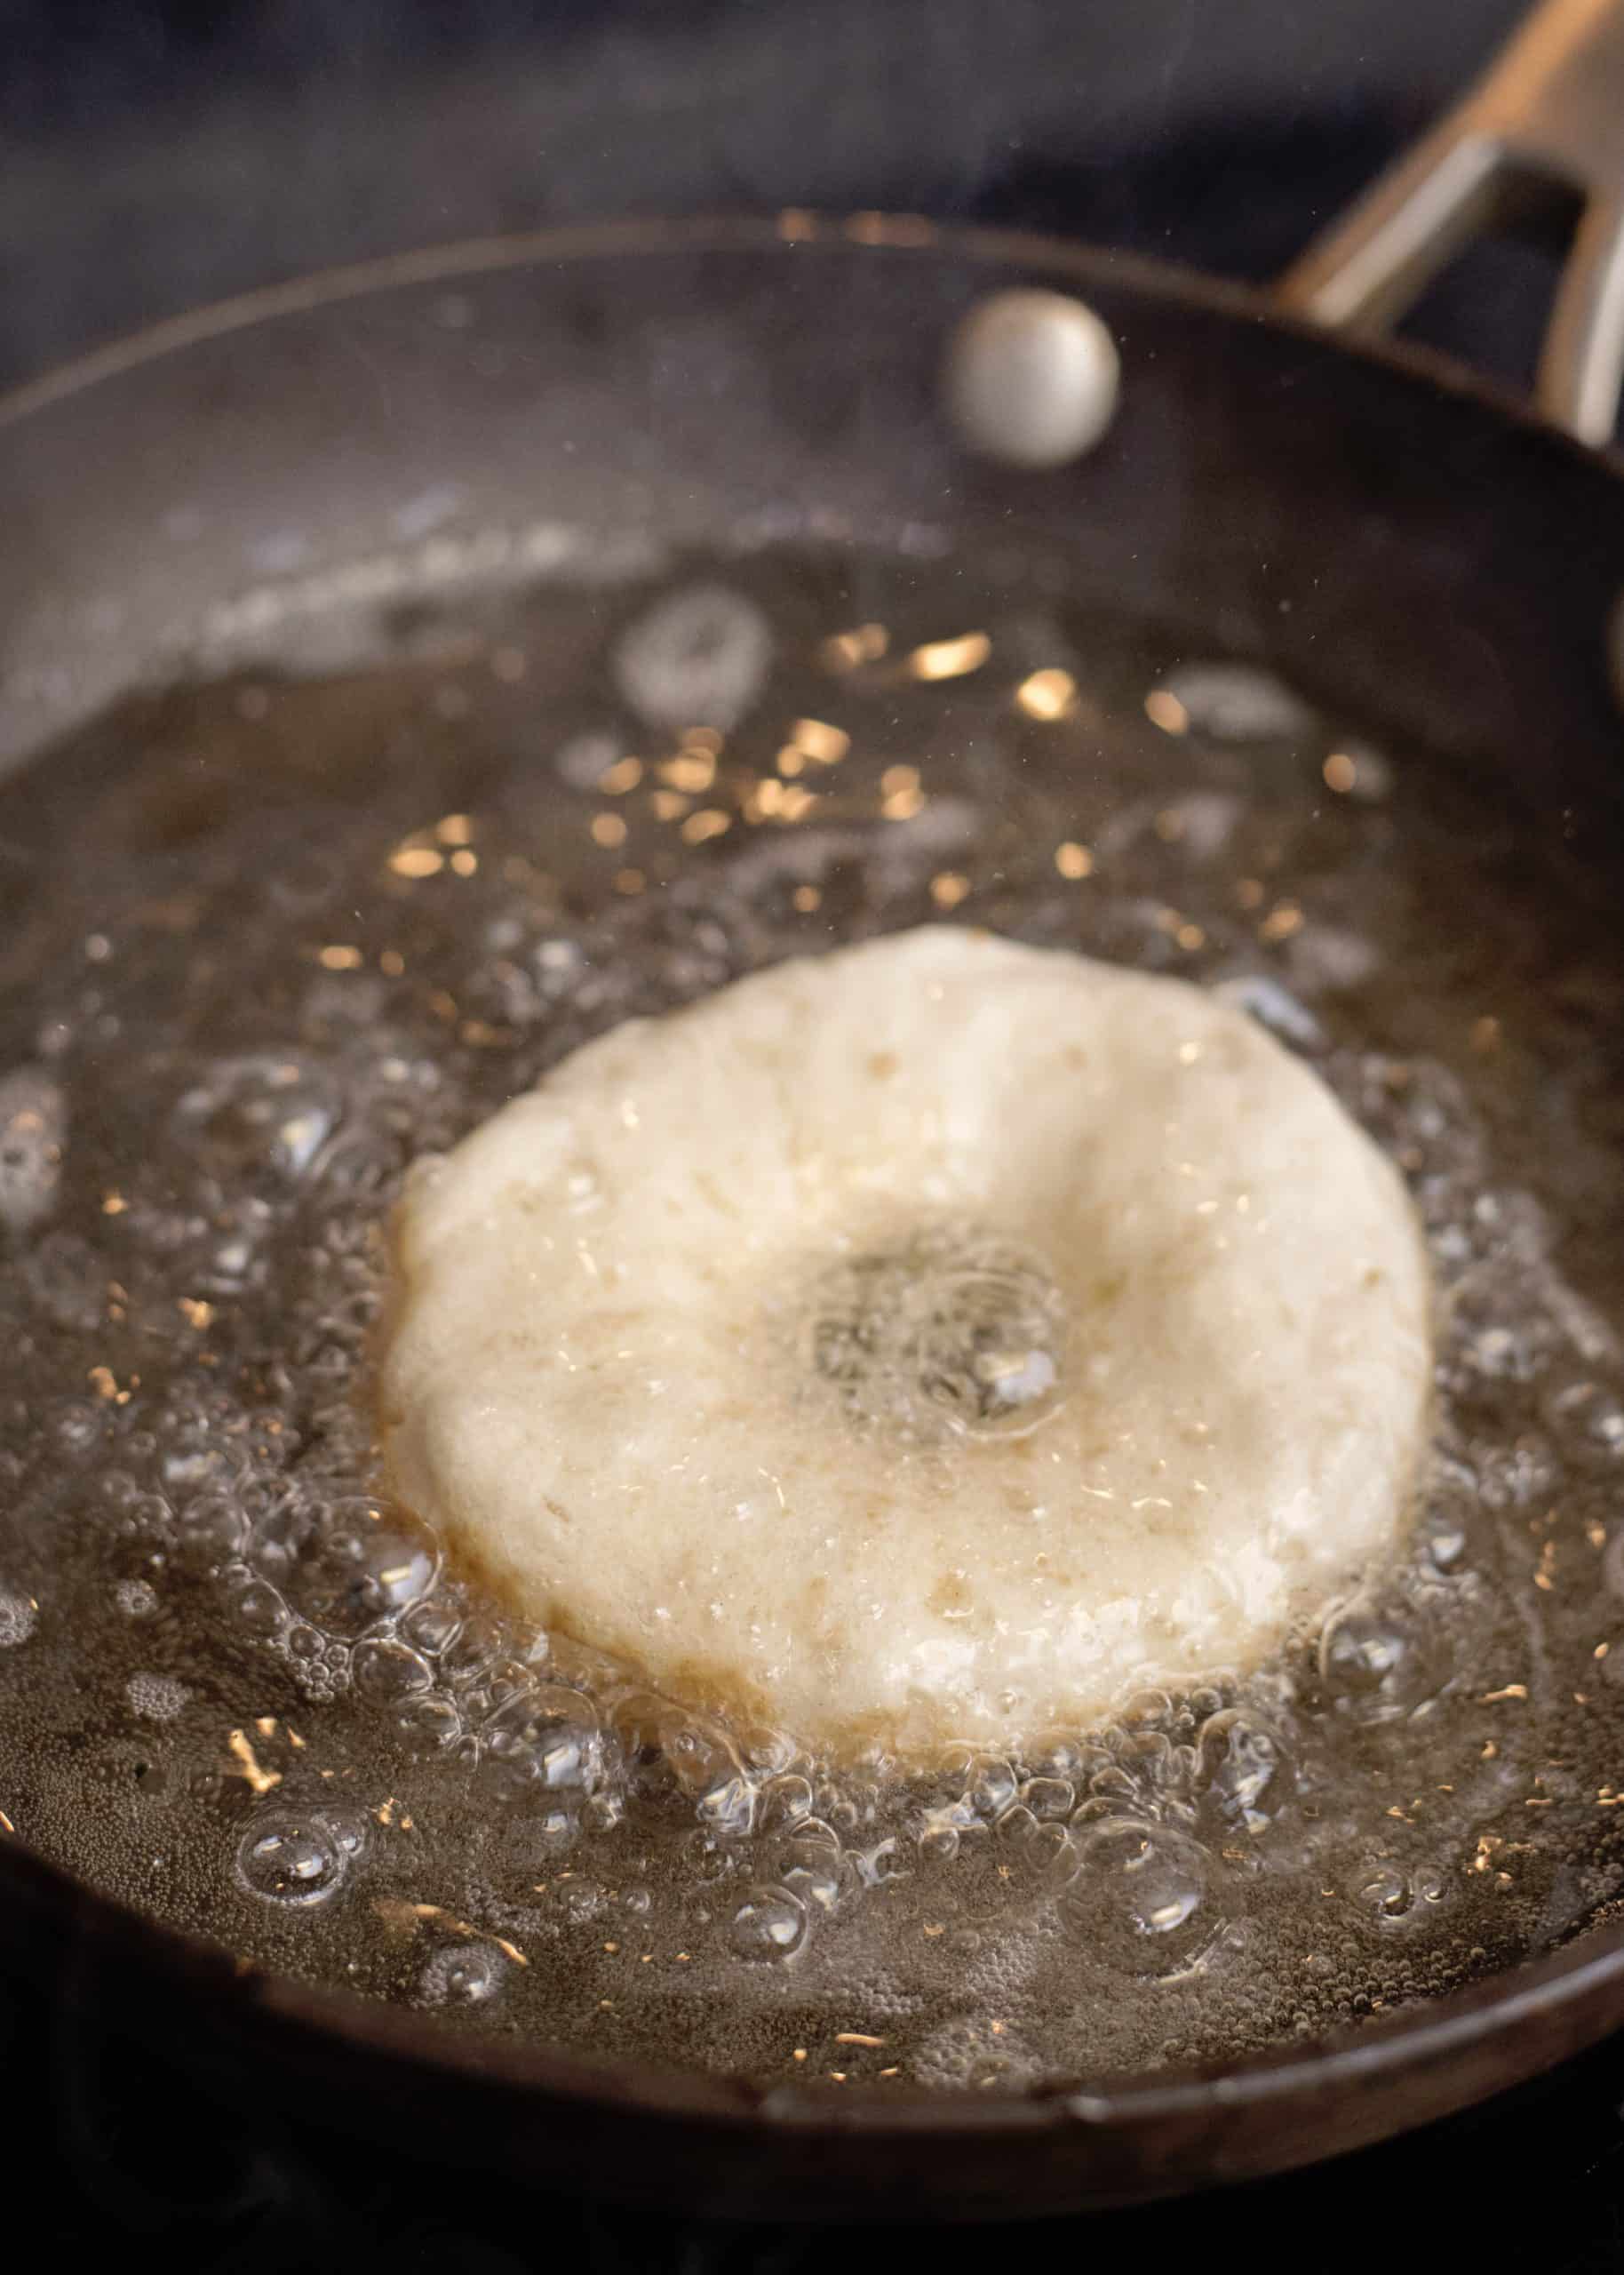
x=154, y=155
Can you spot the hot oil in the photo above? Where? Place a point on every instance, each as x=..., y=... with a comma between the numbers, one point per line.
x=267, y=940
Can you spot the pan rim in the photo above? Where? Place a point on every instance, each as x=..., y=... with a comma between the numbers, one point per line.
x=890, y=235
x=1378, y=2051
x=1371, y=2054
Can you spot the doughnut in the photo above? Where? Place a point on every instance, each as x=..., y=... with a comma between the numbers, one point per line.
x=928, y=1341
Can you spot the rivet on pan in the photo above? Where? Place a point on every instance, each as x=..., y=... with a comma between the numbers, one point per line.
x=1031, y=378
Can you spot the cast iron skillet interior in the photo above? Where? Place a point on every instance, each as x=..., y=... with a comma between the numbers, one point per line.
x=1394, y=540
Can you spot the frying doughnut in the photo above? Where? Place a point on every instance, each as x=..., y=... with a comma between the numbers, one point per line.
x=920, y=1342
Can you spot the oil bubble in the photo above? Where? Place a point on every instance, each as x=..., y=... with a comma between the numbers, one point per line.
x=268, y=1111
x=1245, y=1775
x=769, y=1924
x=883, y=1862
x=293, y=1861
x=700, y=1754
x=813, y=1868
x=1015, y=1826
x=364, y=1163
x=1140, y=1894
x=785, y=1800
x=1382, y=1891
x=211, y=1527
x=387, y=1673
x=430, y=1724
x=431, y=1626
x=695, y=659
x=464, y=1975
x=18, y=1617
x=259, y=1608
x=708, y=1859
x=545, y=1737
x=955, y=1331
x=1369, y=1663
x=990, y=1785
x=33, y=1132
x=345, y=1563
x=348, y=1830
x=603, y=1812
x=1051, y=1858
x=938, y=1844
x=730, y=1807
x=1589, y=1418
x=67, y=1280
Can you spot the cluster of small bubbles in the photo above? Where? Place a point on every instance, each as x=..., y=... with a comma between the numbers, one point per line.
x=19, y=1615
x=135, y=1598
x=582, y=1900
x=156, y=1698
x=1517, y=1475
x=464, y=1975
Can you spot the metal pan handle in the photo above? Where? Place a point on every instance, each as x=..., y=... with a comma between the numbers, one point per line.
x=1545, y=119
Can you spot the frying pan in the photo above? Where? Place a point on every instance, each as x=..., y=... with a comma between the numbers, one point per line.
x=1411, y=546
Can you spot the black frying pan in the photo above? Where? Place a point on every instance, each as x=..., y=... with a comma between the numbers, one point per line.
x=1405, y=543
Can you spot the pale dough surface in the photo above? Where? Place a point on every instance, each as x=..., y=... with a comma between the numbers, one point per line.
x=601, y=1379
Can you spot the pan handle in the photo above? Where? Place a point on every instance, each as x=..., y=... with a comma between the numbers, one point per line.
x=1546, y=122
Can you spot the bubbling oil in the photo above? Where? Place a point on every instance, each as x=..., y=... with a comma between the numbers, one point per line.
x=273, y=938
x=953, y=1331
